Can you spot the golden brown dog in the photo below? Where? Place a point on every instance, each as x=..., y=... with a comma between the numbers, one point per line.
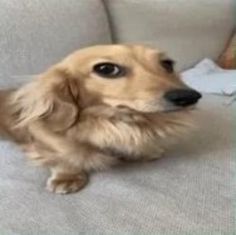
x=98, y=106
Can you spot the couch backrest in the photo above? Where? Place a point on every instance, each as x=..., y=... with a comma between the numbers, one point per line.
x=35, y=33
x=188, y=29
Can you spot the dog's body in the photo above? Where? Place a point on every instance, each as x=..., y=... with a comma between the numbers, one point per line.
x=97, y=107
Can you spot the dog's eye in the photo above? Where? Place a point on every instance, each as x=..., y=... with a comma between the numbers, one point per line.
x=109, y=70
x=168, y=65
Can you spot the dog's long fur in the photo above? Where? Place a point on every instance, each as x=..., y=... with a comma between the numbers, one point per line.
x=73, y=121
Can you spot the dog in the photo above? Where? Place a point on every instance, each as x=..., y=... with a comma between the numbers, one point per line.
x=100, y=106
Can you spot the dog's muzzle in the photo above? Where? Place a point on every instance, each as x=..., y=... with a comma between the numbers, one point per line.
x=182, y=97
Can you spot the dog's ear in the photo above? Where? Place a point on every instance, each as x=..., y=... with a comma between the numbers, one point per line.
x=52, y=98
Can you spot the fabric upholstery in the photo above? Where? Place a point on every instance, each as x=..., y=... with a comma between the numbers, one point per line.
x=36, y=34
x=189, y=30
x=188, y=191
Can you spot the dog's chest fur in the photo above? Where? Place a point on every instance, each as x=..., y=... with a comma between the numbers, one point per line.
x=127, y=134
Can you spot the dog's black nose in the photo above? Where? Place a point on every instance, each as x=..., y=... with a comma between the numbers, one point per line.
x=182, y=97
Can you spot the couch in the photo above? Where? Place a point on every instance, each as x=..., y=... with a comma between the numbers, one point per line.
x=190, y=190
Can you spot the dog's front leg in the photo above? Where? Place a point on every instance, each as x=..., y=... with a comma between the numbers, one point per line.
x=64, y=180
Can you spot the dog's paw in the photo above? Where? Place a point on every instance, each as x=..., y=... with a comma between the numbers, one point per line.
x=67, y=184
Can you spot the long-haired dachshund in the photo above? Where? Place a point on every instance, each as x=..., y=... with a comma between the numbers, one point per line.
x=97, y=107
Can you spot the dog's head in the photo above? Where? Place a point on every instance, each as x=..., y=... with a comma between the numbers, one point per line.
x=131, y=76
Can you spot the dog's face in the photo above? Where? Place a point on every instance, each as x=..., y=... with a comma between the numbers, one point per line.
x=133, y=76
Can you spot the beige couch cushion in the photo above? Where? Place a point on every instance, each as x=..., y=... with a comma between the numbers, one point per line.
x=189, y=29
x=188, y=191
x=35, y=34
